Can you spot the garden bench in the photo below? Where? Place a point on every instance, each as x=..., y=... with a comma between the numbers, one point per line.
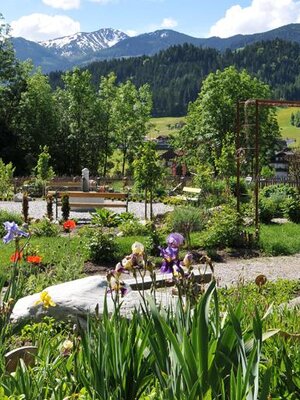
x=190, y=194
x=84, y=201
x=67, y=185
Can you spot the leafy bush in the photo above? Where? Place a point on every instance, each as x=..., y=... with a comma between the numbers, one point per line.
x=45, y=227
x=6, y=174
x=267, y=209
x=244, y=195
x=102, y=248
x=285, y=190
x=65, y=207
x=186, y=220
x=34, y=188
x=275, y=202
x=103, y=217
x=133, y=228
x=9, y=216
x=127, y=216
x=173, y=200
x=223, y=229
x=291, y=210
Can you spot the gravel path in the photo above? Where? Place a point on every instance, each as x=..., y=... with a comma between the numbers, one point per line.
x=230, y=272
x=285, y=267
x=37, y=209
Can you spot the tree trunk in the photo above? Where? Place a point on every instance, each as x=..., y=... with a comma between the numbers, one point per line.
x=146, y=214
x=151, y=206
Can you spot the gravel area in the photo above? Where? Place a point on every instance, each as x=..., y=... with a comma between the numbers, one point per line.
x=227, y=273
x=234, y=270
x=37, y=209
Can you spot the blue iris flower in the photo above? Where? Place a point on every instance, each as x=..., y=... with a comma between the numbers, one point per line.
x=13, y=231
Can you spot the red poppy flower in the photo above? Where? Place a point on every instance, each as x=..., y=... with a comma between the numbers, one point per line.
x=69, y=225
x=34, y=259
x=16, y=257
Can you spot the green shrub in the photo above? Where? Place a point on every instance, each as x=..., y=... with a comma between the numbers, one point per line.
x=223, y=229
x=275, y=202
x=9, y=216
x=173, y=200
x=291, y=210
x=267, y=209
x=34, y=188
x=244, y=195
x=102, y=248
x=127, y=216
x=133, y=228
x=45, y=227
x=282, y=189
x=65, y=207
x=186, y=220
x=103, y=217
x=6, y=174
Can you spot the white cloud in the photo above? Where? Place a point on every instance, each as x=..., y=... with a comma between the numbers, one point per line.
x=131, y=32
x=168, y=23
x=37, y=27
x=260, y=16
x=104, y=1
x=63, y=4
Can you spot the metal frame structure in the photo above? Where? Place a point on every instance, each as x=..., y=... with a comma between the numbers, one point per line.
x=256, y=103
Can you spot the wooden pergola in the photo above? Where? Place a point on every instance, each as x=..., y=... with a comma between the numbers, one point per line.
x=254, y=103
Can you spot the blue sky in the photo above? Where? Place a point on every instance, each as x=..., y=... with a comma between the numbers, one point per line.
x=48, y=19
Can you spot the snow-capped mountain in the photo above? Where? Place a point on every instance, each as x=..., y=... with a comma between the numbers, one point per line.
x=83, y=48
x=83, y=44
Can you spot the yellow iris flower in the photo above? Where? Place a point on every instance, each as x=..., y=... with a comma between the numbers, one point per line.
x=46, y=300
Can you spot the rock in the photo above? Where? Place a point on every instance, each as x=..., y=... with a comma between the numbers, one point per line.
x=294, y=303
x=26, y=353
x=76, y=299
x=18, y=197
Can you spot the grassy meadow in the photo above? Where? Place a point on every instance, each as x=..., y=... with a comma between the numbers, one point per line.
x=287, y=130
x=164, y=126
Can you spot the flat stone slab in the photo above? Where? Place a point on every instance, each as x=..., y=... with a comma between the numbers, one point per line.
x=26, y=353
x=76, y=299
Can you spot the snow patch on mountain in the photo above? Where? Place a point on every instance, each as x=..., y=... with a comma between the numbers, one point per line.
x=84, y=43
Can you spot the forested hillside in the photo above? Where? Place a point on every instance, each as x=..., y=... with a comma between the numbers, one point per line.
x=175, y=75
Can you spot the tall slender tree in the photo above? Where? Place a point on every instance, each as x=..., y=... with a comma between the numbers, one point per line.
x=148, y=173
x=76, y=105
x=132, y=112
x=35, y=119
x=105, y=120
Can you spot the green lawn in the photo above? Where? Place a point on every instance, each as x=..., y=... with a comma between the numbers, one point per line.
x=287, y=130
x=164, y=126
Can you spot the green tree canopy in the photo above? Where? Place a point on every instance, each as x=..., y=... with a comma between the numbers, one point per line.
x=132, y=112
x=211, y=119
x=148, y=172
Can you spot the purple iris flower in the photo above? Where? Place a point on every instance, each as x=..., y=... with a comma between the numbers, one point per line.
x=170, y=255
x=175, y=239
x=13, y=231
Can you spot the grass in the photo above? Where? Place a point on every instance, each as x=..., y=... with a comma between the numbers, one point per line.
x=162, y=126
x=287, y=130
x=275, y=239
x=280, y=239
x=54, y=249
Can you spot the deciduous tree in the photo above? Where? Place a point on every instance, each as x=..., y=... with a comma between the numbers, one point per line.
x=148, y=172
x=132, y=112
x=212, y=117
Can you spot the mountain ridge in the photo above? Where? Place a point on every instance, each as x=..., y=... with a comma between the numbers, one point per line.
x=108, y=43
x=84, y=43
